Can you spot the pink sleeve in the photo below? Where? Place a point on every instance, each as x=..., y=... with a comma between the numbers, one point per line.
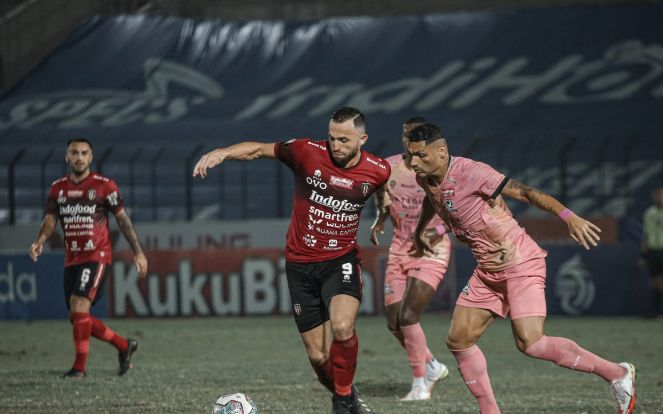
x=486, y=179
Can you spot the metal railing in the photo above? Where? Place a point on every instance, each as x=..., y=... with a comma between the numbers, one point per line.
x=613, y=181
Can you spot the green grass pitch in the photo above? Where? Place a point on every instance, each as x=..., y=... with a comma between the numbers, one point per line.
x=182, y=365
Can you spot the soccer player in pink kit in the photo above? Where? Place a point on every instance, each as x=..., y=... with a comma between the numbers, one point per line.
x=410, y=282
x=511, y=270
x=333, y=180
x=81, y=202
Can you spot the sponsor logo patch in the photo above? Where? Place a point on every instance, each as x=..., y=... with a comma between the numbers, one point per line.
x=341, y=182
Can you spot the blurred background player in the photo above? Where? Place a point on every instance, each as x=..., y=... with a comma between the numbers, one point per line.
x=81, y=201
x=652, y=244
x=511, y=269
x=333, y=180
x=410, y=282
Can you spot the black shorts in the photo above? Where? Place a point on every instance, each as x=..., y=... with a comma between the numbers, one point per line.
x=86, y=280
x=313, y=285
x=654, y=260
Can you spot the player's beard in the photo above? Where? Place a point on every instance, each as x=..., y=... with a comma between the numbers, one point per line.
x=344, y=161
x=79, y=170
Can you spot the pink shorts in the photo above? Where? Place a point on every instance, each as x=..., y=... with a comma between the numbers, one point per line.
x=399, y=268
x=519, y=291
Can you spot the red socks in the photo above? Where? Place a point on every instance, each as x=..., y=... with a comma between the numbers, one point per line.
x=102, y=332
x=85, y=325
x=81, y=330
x=343, y=356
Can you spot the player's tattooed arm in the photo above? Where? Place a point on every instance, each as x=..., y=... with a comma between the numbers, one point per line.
x=582, y=231
x=382, y=202
x=421, y=245
x=244, y=151
x=129, y=233
x=522, y=192
x=45, y=231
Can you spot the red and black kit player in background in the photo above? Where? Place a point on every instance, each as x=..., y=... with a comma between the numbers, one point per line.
x=333, y=181
x=81, y=201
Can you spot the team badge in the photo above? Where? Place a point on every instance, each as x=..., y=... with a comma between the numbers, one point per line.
x=387, y=289
x=466, y=289
x=449, y=204
x=365, y=188
x=91, y=194
x=297, y=308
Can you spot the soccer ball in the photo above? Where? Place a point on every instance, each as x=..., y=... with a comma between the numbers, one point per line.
x=237, y=403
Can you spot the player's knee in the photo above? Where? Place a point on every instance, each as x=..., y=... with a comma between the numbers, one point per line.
x=392, y=325
x=525, y=344
x=461, y=340
x=408, y=316
x=343, y=329
x=317, y=357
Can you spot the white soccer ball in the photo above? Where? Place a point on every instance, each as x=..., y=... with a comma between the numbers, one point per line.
x=237, y=403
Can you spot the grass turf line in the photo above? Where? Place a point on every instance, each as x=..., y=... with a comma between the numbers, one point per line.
x=183, y=365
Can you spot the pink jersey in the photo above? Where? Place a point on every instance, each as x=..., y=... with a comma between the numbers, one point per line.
x=82, y=209
x=327, y=200
x=404, y=197
x=493, y=235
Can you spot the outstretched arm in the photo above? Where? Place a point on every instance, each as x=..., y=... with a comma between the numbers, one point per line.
x=582, y=231
x=129, y=233
x=242, y=151
x=45, y=231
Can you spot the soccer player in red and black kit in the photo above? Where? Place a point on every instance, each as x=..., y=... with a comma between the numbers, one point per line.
x=81, y=201
x=333, y=180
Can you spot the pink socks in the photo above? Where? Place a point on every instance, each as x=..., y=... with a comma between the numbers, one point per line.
x=417, y=349
x=474, y=370
x=566, y=353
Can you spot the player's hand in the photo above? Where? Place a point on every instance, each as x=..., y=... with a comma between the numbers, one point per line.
x=584, y=232
x=141, y=264
x=419, y=246
x=432, y=237
x=35, y=250
x=375, y=229
x=209, y=160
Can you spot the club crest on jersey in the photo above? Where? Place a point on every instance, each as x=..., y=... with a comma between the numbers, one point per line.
x=466, y=289
x=297, y=308
x=449, y=204
x=91, y=194
x=365, y=188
